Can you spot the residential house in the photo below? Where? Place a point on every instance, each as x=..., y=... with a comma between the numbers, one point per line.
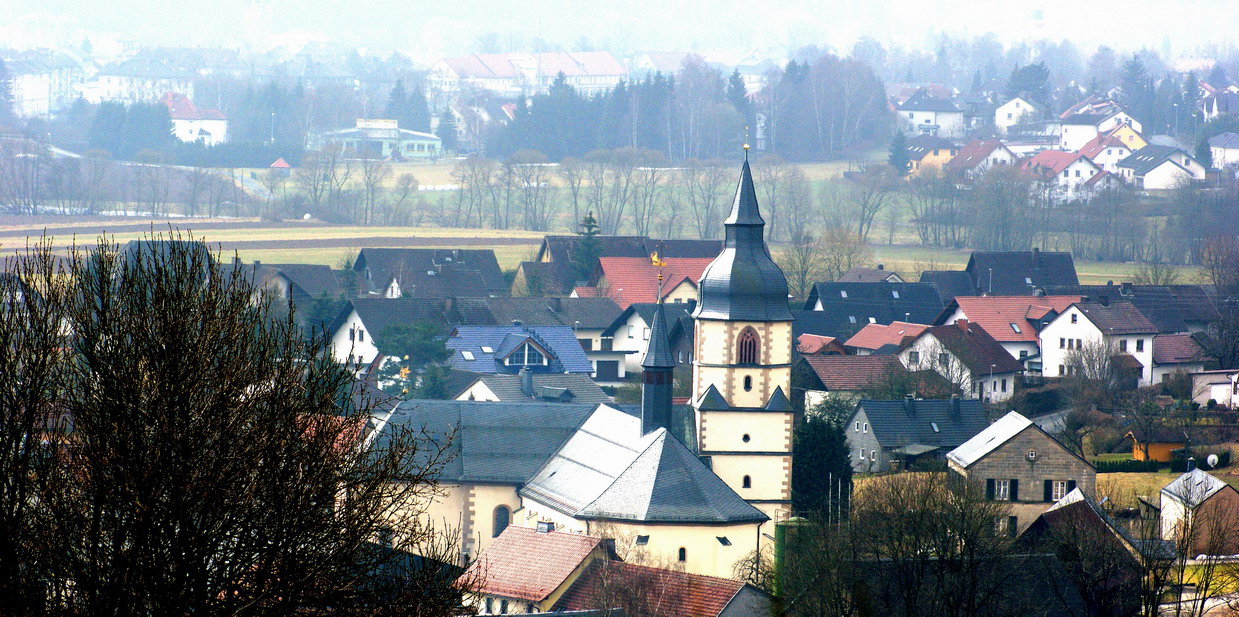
x=874, y=337
x=1007, y=273
x=139, y=80
x=1106, y=151
x=1221, y=387
x=1067, y=172
x=629, y=280
x=848, y=307
x=528, y=570
x=1123, y=333
x=862, y=274
x=1128, y=135
x=1172, y=308
x=193, y=124
x=1015, y=111
x=1017, y=461
x=1176, y=354
x=1200, y=513
x=516, y=75
x=979, y=156
x=815, y=345
x=1156, y=444
x=1223, y=102
x=355, y=329
x=1155, y=167
x=510, y=348
x=607, y=584
x=382, y=138
x=298, y=285
x=967, y=357
x=923, y=114
x=928, y=154
x=890, y=435
x=42, y=82
x=629, y=334
x=556, y=268
x=1224, y=149
x=429, y=273
x=588, y=318
x=817, y=378
x=528, y=386
x=1013, y=321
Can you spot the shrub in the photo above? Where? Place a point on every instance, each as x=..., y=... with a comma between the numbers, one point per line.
x=1128, y=466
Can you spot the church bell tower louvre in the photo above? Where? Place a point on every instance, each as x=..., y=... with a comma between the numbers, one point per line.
x=742, y=361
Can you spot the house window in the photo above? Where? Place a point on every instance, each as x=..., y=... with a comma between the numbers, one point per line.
x=1123, y=344
x=1062, y=343
x=852, y=318
x=352, y=334
x=747, y=347
x=748, y=383
x=683, y=554
x=632, y=332
x=1139, y=344
x=944, y=359
x=503, y=607
x=873, y=455
x=1074, y=318
x=843, y=293
x=501, y=518
x=1058, y=490
x=1023, y=354
x=914, y=357
x=895, y=295
x=866, y=428
x=873, y=320
x=1015, y=328
x=490, y=606
x=361, y=335
x=645, y=334
x=747, y=482
x=1004, y=385
x=643, y=540
x=1002, y=490
x=858, y=426
x=526, y=355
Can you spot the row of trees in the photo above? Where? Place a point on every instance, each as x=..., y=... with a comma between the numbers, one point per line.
x=170, y=447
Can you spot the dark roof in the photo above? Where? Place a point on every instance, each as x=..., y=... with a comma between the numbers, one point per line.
x=921, y=101
x=547, y=387
x=852, y=373
x=821, y=323
x=379, y=313
x=1149, y=158
x=673, y=593
x=555, y=266
x=312, y=279
x=1169, y=307
x=658, y=351
x=674, y=311
x=975, y=348
x=922, y=145
x=862, y=274
x=905, y=422
x=881, y=302
x=558, y=342
x=1226, y=140
x=743, y=283
x=1176, y=349
x=1085, y=119
x=951, y=283
x=1019, y=273
x=492, y=442
x=1117, y=318
x=433, y=273
x=590, y=313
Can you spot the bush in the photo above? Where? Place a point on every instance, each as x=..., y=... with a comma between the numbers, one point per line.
x=1179, y=464
x=1128, y=466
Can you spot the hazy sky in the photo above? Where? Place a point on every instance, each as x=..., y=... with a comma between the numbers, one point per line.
x=427, y=30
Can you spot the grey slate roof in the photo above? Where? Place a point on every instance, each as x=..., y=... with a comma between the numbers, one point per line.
x=863, y=274
x=674, y=311
x=951, y=283
x=1193, y=488
x=379, y=313
x=1020, y=273
x=311, y=279
x=1086, y=119
x=1169, y=307
x=989, y=439
x=1117, y=318
x=658, y=351
x=743, y=283
x=1226, y=140
x=905, y=422
x=560, y=343
x=1149, y=158
x=608, y=470
x=508, y=387
x=921, y=101
x=590, y=313
x=433, y=273
x=976, y=348
x=884, y=302
x=503, y=443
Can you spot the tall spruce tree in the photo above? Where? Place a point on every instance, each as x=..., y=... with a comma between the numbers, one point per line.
x=588, y=248
x=396, y=103
x=446, y=131
x=898, y=157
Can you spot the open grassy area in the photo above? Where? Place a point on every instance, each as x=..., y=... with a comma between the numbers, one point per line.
x=1122, y=488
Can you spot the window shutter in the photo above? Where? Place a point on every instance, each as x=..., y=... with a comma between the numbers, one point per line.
x=1049, y=491
x=1071, y=485
x=989, y=488
x=1012, y=524
x=1015, y=490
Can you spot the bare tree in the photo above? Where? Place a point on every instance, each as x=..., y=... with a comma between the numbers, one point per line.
x=773, y=175
x=1156, y=273
x=572, y=172
x=705, y=188
x=868, y=194
x=649, y=190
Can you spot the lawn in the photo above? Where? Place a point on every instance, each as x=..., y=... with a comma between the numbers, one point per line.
x=1122, y=488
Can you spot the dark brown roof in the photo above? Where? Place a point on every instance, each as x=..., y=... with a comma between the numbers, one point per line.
x=1117, y=318
x=1176, y=349
x=852, y=372
x=975, y=348
x=673, y=593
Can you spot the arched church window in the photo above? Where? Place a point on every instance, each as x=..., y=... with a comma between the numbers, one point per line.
x=748, y=347
x=683, y=554
x=503, y=516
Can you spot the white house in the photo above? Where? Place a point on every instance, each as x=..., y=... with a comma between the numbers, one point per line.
x=1068, y=172
x=1091, y=331
x=191, y=123
x=967, y=356
x=1220, y=386
x=979, y=156
x=42, y=83
x=1155, y=167
x=1224, y=149
x=1079, y=129
x=138, y=81
x=1015, y=111
x=1106, y=151
x=1013, y=321
x=926, y=115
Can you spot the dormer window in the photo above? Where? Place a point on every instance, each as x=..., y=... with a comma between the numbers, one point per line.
x=526, y=355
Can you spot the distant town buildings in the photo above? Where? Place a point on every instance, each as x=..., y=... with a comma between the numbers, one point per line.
x=525, y=74
x=191, y=123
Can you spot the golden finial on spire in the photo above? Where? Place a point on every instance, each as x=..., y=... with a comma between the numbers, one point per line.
x=746, y=142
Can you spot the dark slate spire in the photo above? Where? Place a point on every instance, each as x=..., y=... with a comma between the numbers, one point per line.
x=743, y=283
x=656, y=376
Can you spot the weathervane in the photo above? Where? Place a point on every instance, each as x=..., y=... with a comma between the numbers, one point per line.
x=658, y=262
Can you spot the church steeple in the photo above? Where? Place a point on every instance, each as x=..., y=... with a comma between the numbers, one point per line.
x=657, y=369
x=743, y=283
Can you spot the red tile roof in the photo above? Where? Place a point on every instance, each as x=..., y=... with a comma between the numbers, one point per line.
x=1176, y=349
x=526, y=565
x=874, y=336
x=635, y=279
x=673, y=593
x=1050, y=163
x=995, y=314
x=972, y=154
x=181, y=108
x=815, y=344
x=1101, y=142
x=852, y=372
x=280, y=163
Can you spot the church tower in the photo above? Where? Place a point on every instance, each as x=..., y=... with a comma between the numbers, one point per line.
x=742, y=362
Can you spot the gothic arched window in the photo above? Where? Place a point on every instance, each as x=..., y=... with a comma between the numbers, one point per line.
x=748, y=347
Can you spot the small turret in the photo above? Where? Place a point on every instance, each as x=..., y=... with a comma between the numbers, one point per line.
x=657, y=370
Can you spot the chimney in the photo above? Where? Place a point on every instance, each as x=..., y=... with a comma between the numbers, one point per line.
x=955, y=405
x=1191, y=463
x=963, y=324
x=517, y=323
x=545, y=527
x=526, y=381
x=1125, y=289
x=1039, y=293
x=257, y=264
x=909, y=404
x=881, y=266
x=1036, y=257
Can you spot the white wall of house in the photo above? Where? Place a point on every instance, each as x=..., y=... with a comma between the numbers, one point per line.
x=634, y=335
x=1076, y=136
x=1012, y=113
x=1167, y=176
x=1076, y=174
x=477, y=391
x=1061, y=337
x=1223, y=157
x=1162, y=372
x=209, y=132
x=1109, y=158
x=352, y=342
x=940, y=123
x=926, y=352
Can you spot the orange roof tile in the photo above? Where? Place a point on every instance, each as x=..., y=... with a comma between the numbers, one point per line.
x=526, y=565
x=635, y=279
x=852, y=373
x=972, y=154
x=1101, y=142
x=875, y=335
x=814, y=343
x=995, y=314
x=1049, y=163
x=674, y=593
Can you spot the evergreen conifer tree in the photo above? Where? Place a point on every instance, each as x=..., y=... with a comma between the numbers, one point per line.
x=447, y=130
x=898, y=157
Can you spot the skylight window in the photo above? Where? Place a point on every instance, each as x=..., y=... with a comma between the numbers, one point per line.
x=486, y=349
x=843, y=294
x=895, y=295
x=935, y=425
x=1015, y=327
x=467, y=354
x=1028, y=280
x=852, y=318
x=872, y=320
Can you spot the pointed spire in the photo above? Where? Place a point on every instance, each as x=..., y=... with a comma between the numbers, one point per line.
x=744, y=209
x=658, y=352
